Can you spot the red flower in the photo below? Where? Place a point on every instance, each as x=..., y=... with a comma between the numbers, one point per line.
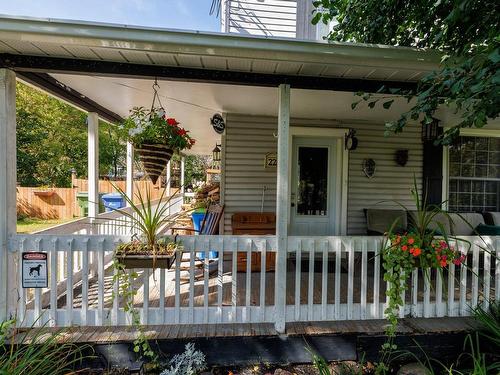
x=417, y=252
x=172, y=121
x=192, y=141
x=411, y=241
x=404, y=247
x=181, y=132
x=443, y=263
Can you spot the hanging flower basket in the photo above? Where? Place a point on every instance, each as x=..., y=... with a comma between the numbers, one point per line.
x=154, y=159
x=155, y=136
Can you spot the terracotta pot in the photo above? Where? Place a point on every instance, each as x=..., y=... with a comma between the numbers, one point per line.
x=147, y=261
x=154, y=158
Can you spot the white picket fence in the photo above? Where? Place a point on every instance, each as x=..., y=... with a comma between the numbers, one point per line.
x=344, y=282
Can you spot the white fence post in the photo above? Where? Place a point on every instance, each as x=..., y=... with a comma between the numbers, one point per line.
x=8, y=281
x=282, y=206
x=183, y=176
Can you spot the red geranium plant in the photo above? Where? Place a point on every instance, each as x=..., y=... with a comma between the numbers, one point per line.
x=155, y=127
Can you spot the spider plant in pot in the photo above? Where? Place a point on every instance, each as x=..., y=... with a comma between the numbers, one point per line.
x=147, y=249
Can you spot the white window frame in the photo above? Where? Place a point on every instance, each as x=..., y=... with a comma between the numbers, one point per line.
x=485, y=133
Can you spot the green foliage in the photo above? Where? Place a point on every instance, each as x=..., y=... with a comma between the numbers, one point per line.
x=52, y=139
x=148, y=218
x=466, y=32
x=489, y=321
x=42, y=354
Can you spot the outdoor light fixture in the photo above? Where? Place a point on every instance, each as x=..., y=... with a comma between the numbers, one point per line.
x=216, y=153
x=430, y=132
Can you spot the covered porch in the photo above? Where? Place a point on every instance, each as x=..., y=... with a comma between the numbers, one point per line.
x=272, y=94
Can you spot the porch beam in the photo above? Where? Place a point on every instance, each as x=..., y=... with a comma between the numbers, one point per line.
x=45, y=64
x=58, y=89
x=282, y=205
x=8, y=286
x=93, y=164
x=130, y=171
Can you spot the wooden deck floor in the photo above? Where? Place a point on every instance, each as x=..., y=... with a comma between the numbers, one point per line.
x=117, y=334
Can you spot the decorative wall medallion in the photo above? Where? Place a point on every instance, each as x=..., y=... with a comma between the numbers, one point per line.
x=401, y=157
x=369, y=167
x=351, y=142
x=218, y=123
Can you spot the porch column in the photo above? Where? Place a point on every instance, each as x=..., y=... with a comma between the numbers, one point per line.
x=93, y=164
x=282, y=205
x=8, y=280
x=183, y=176
x=130, y=171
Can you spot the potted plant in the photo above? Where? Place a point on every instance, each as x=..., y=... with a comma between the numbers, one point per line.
x=155, y=138
x=147, y=249
x=44, y=191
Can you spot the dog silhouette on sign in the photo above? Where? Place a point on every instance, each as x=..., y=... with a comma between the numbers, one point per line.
x=35, y=269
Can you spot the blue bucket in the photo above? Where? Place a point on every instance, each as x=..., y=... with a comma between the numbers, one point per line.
x=197, y=218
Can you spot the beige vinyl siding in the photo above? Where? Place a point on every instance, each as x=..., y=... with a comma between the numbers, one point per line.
x=391, y=181
x=261, y=17
x=248, y=138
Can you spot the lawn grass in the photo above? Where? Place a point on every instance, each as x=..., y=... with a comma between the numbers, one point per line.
x=32, y=224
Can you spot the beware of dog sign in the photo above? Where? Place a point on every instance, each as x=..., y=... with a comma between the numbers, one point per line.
x=34, y=270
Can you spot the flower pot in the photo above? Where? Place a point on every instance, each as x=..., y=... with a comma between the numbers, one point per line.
x=44, y=193
x=154, y=158
x=147, y=261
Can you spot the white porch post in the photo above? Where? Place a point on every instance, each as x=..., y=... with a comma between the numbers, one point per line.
x=183, y=176
x=93, y=164
x=8, y=176
x=282, y=206
x=130, y=171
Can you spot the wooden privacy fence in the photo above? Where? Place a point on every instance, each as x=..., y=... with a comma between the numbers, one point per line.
x=61, y=203
x=327, y=278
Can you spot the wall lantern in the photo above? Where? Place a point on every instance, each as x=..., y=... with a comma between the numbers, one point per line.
x=401, y=157
x=216, y=152
x=430, y=132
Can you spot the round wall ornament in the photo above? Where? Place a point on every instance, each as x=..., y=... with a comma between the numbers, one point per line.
x=369, y=167
x=218, y=123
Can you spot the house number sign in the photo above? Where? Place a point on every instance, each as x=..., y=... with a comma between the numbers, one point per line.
x=34, y=266
x=271, y=160
x=218, y=123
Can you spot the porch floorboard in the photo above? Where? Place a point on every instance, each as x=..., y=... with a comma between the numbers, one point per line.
x=115, y=334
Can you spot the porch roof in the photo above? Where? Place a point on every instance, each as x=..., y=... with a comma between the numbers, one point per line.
x=107, y=68
x=149, y=46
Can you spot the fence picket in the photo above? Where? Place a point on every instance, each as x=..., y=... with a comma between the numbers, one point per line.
x=100, y=282
x=248, y=280
x=475, y=274
x=310, y=282
x=53, y=282
x=69, y=283
x=220, y=279
x=350, y=278
x=324, y=280
x=85, y=283
x=206, y=274
x=298, y=278
x=376, y=277
x=261, y=247
x=426, y=275
x=364, y=277
x=338, y=275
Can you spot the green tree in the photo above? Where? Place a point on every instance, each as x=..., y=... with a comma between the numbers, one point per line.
x=467, y=32
x=52, y=140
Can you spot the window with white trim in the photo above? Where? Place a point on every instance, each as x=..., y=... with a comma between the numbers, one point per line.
x=474, y=175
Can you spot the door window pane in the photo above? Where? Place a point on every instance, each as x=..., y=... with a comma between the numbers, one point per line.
x=312, y=189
